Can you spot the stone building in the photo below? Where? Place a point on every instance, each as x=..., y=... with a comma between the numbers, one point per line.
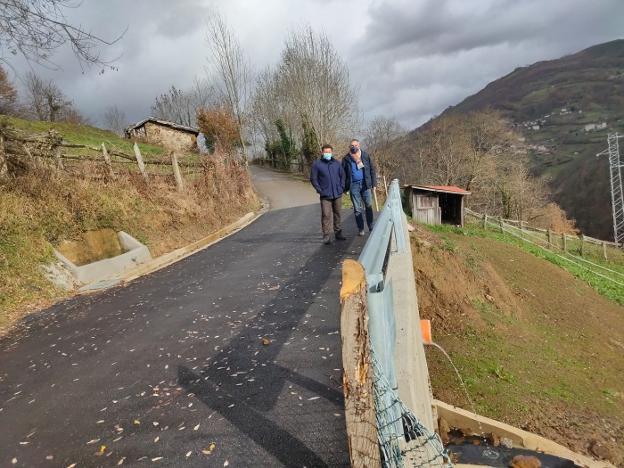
x=171, y=135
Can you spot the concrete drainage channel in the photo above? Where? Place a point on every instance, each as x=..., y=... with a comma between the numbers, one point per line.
x=133, y=259
x=102, y=272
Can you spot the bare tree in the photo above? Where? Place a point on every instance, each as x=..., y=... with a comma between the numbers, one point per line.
x=8, y=95
x=380, y=137
x=232, y=69
x=115, y=120
x=181, y=106
x=46, y=101
x=36, y=28
x=315, y=81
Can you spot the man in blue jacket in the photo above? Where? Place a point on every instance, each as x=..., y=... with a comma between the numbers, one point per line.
x=328, y=178
x=361, y=180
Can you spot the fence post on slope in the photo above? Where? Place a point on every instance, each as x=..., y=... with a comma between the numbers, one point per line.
x=500, y=223
x=4, y=166
x=107, y=161
x=582, y=245
x=357, y=380
x=550, y=244
x=176, y=171
x=484, y=222
x=565, y=242
x=139, y=159
x=604, y=250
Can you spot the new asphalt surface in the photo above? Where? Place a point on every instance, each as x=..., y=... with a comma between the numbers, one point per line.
x=230, y=357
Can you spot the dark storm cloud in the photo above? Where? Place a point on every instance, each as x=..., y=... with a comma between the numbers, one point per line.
x=408, y=58
x=433, y=53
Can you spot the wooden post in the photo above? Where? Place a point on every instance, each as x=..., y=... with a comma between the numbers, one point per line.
x=176, y=171
x=485, y=222
x=357, y=379
x=521, y=228
x=565, y=242
x=139, y=159
x=500, y=222
x=604, y=250
x=59, y=157
x=385, y=186
x=107, y=161
x=550, y=244
x=582, y=236
x=4, y=165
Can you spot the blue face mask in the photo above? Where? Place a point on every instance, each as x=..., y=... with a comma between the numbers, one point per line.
x=327, y=156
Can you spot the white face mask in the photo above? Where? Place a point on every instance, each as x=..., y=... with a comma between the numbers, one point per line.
x=327, y=156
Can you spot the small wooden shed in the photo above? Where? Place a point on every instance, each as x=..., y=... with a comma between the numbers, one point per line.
x=436, y=204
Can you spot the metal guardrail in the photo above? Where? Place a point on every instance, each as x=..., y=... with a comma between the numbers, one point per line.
x=403, y=438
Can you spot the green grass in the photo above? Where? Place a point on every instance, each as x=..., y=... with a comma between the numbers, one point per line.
x=84, y=135
x=603, y=285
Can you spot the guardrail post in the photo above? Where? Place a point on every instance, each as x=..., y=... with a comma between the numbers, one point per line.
x=357, y=380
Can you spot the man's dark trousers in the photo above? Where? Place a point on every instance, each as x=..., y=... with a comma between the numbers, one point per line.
x=330, y=215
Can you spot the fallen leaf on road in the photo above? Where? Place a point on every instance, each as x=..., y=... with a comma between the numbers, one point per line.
x=121, y=460
x=136, y=422
x=188, y=454
x=266, y=341
x=196, y=427
x=102, y=450
x=209, y=450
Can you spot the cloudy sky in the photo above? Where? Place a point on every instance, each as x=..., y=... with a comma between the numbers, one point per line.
x=408, y=58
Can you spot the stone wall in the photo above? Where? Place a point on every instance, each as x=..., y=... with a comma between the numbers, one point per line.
x=168, y=137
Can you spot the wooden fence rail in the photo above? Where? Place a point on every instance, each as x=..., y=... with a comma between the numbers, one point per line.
x=51, y=146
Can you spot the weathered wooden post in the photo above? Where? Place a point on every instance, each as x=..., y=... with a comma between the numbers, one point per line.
x=604, y=250
x=550, y=244
x=521, y=228
x=139, y=159
x=500, y=222
x=565, y=242
x=582, y=236
x=485, y=222
x=176, y=171
x=107, y=161
x=4, y=165
x=357, y=379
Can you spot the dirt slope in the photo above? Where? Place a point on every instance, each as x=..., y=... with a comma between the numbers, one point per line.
x=537, y=348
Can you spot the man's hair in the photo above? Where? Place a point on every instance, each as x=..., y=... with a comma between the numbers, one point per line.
x=355, y=139
x=324, y=147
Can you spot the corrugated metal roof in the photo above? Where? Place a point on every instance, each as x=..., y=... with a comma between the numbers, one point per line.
x=166, y=123
x=442, y=189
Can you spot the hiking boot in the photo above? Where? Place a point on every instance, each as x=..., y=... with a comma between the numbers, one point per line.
x=361, y=233
x=339, y=236
x=326, y=240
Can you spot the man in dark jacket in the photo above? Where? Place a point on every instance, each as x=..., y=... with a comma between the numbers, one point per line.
x=361, y=180
x=328, y=178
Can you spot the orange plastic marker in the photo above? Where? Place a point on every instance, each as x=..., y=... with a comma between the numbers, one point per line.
x=425, y=330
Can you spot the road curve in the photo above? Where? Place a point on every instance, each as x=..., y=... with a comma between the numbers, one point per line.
x=230, y=357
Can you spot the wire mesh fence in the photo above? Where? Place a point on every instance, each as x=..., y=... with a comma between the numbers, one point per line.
x=403, y=440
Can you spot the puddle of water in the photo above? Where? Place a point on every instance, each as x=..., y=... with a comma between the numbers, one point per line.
x=92, y=246
x=461, y=380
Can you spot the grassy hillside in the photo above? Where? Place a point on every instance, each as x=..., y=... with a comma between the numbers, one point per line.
x=83, y=135
x=551, y=102
x=537, y=347
x=41, y=208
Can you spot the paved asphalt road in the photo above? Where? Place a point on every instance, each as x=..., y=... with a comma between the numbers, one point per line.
x=172, y=370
